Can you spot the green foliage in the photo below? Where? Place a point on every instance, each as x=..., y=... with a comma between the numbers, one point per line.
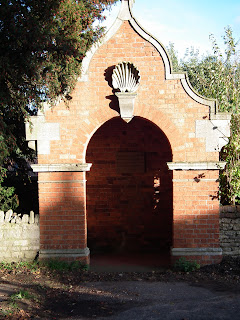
x=217, y=76
x=42, y=45
x=184, y=265
x=230, y=177
x=8, y=199
x=20, y=266
x=173, y=57
x=35, y=266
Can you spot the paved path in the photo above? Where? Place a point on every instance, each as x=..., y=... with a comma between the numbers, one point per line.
x=154, y=301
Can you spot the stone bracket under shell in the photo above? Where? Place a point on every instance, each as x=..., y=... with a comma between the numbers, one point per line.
x=126, y=104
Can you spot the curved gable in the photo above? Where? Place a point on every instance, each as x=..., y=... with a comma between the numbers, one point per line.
x=125, y=14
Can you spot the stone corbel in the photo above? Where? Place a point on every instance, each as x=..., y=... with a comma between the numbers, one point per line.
x=126, y=104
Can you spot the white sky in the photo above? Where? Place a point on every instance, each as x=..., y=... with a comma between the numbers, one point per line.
x=185, y=23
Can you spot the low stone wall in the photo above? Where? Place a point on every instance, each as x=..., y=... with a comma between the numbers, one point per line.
x=230, y=230
x=19, y=236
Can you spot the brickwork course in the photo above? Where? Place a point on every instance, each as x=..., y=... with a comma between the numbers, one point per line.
x=147, y=185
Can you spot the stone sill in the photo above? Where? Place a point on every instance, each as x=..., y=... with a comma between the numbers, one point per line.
x=218, y=165
x=62, y=167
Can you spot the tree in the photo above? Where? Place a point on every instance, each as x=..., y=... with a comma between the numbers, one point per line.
x=8, y=198
x=217, y=76
x=173, y=54
x=42, y=45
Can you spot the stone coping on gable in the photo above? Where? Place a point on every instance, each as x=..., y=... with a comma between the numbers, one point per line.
x=62, y=167
x=218, y=165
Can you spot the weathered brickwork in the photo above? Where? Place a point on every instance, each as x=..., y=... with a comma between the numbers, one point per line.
x=126, y=205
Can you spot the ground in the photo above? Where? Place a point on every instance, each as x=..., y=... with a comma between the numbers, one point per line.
x=41, y=293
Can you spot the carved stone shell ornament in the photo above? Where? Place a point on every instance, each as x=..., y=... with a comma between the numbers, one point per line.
x=126, y=77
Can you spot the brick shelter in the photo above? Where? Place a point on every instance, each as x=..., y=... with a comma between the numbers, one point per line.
x=129, y=166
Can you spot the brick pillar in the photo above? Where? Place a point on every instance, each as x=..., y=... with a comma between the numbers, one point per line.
x=62, y=209
x=196, y=216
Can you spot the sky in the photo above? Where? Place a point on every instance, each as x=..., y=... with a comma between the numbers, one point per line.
x=185, y=23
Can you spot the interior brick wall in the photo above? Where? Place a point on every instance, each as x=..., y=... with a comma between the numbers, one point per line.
x=127, y=209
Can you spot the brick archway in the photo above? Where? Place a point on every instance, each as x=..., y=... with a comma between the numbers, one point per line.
x=129, y=188
x=125, y=212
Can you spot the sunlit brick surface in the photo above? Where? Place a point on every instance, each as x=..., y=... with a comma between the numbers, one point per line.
x=120, y=205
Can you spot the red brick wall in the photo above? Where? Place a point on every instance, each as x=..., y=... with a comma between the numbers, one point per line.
x=196, y=209
x=62, y=211
x=127, y=209
x=165, y=104
x=196, y=213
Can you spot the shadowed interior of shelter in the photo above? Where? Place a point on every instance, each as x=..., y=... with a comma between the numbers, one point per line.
x=129, y=188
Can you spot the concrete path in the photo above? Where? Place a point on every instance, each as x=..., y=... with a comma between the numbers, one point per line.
x=154, y=301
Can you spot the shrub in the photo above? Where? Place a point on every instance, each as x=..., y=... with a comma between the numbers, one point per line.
x=185, y=265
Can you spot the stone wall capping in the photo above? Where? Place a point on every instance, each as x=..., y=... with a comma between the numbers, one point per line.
x=31, y=218
x=2, y=216
x=8, y=215
x=25, y=218
x=62, y=167
x=218, y=165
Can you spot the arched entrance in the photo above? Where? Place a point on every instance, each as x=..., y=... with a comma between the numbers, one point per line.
x=129, y=188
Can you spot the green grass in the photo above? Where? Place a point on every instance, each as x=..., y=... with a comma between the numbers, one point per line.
x=22, y=294
x=60, y=265
x=52, y=265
